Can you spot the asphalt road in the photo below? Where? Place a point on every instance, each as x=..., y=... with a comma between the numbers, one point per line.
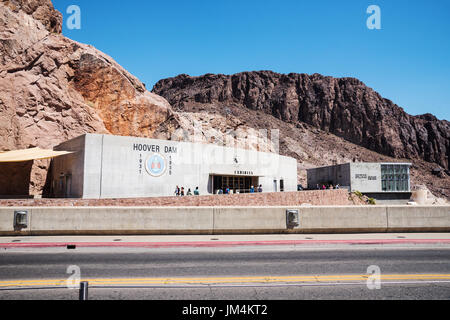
x=240, y=273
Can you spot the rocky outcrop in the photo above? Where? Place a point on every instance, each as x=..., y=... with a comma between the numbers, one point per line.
x=40, y=10
x=53, y=89
x=345, y=107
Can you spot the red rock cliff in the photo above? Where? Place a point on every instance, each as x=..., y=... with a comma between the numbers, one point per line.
x=53, y=89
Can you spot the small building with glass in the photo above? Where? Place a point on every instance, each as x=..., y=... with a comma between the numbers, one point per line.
x=382, y=181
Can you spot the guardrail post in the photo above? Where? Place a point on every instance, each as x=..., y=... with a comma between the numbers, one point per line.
x=84, y=291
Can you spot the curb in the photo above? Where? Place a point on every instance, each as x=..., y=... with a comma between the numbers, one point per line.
x=200, y=244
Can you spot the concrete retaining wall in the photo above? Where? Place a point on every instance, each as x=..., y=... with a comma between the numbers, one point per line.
x=421, y=218
x=343, y=219
x=121, y=220
x=249, y=220
x=223, y=220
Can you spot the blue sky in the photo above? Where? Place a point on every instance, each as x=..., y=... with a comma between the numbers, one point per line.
x=407, y=61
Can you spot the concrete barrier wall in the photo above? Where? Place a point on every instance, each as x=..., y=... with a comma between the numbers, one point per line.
x=123, y=220
x=7, y=222
x=343, y=219
x=249, y=219
x=420, y=218
x=223, y=220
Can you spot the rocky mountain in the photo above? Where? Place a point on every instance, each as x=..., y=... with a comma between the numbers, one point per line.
x=321, y=120
x=344, y=107
x=53, y=89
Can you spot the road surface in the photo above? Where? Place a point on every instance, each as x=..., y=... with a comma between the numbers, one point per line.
x=270, y=272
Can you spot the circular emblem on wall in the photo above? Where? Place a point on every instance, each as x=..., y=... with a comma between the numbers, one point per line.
x=156, y=165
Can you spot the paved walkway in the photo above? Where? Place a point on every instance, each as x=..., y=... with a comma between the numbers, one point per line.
x=222, y=240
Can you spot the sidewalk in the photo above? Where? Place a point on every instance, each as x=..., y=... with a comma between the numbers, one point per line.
x=222, y=240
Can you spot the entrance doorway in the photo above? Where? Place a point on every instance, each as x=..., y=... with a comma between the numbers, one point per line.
x=237, y=184
x=62, y=188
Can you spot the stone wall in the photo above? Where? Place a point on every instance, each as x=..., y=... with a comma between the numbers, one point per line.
x=326, y=197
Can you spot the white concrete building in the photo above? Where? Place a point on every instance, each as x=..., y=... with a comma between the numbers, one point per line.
x=106, y=166
x=382, y=181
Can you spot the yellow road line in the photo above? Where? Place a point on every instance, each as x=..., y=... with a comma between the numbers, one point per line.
x=218, y=280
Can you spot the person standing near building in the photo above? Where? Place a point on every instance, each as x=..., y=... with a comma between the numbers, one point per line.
x=260, y=188
x=189, y=193
x=182, y=192
x=177, y=191
x=252, y=189
x=196, y=192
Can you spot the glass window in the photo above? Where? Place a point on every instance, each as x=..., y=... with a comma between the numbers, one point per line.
x=395, y=177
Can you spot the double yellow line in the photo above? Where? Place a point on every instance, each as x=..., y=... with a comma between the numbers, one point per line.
x=223, y=280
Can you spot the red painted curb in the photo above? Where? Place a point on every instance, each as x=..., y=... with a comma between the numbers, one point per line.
x=194, y=244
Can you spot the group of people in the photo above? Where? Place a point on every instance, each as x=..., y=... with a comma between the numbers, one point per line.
x=330, y=187
x=179, y=192
x=228, y=191
x=259, y=189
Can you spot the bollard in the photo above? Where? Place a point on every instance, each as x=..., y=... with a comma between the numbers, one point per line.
x=84, y=291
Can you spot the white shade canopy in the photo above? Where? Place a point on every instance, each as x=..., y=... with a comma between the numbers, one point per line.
x=29, y=155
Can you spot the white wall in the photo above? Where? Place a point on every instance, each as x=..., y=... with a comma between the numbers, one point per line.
x=69, y=165
x=112, y=167
x=366, y=177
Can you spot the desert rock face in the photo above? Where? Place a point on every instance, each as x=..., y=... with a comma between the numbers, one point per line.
x=344, y=107
x=321, y=120
x=53, y=89
x=40, y=10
